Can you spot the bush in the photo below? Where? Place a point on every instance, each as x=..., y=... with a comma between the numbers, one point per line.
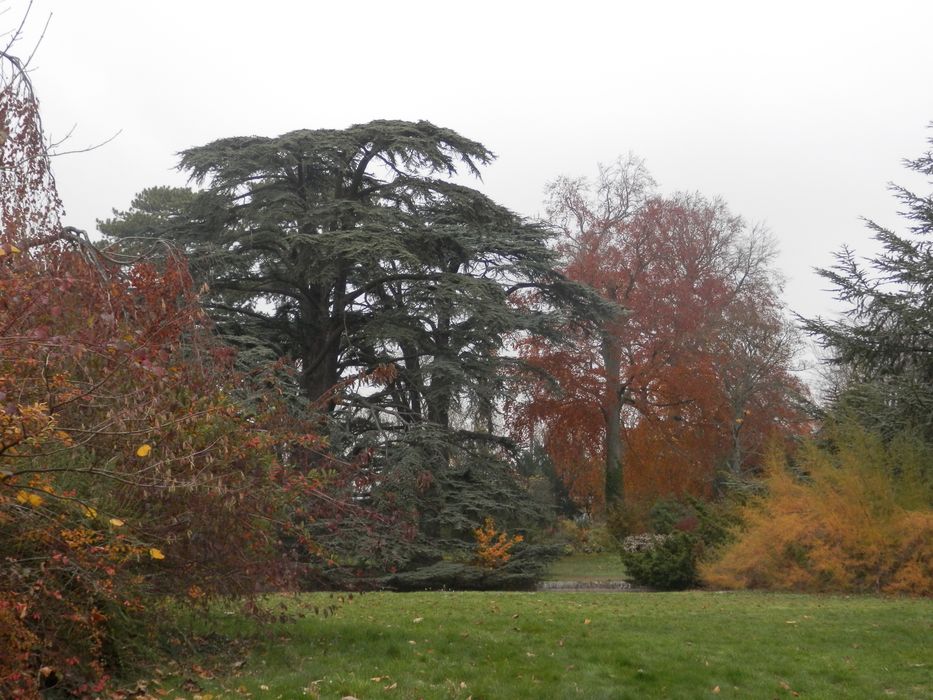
x=668, y=563
x=682, y=533
x=581, y=538
x=853, y=516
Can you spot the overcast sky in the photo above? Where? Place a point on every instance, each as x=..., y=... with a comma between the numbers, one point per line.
x=796, y=113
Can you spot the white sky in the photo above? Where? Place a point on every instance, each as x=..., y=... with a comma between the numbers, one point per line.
x=796, y=113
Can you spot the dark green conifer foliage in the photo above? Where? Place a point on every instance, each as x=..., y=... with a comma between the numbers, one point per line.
x=352, y=252
x=884, y=342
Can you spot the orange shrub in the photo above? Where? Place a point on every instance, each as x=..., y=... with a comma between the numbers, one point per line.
x=493, y=547
x=855, y=518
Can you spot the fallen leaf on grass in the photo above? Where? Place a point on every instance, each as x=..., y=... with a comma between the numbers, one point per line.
x=189, y=685
x=587, y=621
x=418, y=619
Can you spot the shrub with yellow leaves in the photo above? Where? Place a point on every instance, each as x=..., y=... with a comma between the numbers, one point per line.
x=853, y=515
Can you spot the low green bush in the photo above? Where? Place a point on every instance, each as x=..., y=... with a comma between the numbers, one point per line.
x=669, y=564
x=682, y=533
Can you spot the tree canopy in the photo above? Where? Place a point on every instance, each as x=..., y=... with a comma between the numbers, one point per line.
x=391, y=287
x=681, y=388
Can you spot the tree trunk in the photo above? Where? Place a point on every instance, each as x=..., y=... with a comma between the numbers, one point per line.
x=612, y=414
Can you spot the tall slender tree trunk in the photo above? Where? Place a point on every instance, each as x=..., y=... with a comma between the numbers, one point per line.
x=612, y=413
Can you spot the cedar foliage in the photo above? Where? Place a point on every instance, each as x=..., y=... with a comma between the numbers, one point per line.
x=851, y=514
x=391, y=291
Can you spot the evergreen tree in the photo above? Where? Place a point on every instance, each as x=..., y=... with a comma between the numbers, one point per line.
x=884, y=341
x=390, y=287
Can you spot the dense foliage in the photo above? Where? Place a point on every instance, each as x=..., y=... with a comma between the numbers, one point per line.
x=390, y=288
x=131, y=466
x=851, y=516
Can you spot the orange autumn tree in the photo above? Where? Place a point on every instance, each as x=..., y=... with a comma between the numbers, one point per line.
x=676, y=388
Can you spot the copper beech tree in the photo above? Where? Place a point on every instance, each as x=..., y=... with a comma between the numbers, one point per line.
x=680, y=390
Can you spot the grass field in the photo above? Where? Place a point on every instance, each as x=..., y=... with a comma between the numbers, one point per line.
x=576, y=645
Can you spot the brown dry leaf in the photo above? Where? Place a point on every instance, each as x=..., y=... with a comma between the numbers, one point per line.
x=418, y=619
x=189, y=685
x=716, y=689
x=391, y=687
x=587, y=621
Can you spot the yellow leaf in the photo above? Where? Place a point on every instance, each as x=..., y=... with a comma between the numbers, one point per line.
x=14, y=249
x=143, y=450
x=156, y=553
x=33, y=499
x=116, y=522
x=88, y=511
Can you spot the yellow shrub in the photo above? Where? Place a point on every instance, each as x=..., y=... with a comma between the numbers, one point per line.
x=857, y=519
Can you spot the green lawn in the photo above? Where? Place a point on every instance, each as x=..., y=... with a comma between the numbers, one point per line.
x=580, y=645
x=587, y=567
